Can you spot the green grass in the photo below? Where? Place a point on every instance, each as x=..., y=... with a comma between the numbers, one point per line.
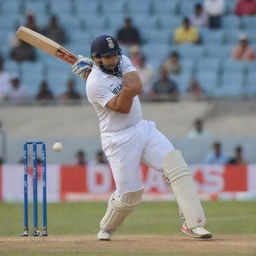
x=150, y=218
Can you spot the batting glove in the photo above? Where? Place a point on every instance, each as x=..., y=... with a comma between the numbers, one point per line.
x=82, y=66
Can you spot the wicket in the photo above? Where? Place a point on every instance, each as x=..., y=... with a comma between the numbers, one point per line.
x=35, y=201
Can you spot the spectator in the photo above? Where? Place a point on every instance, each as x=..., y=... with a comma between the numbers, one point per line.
x=199, y=18
x=216, y=156
x=243, y=51
x=4, y=81
x=186, y=33
x=172, y=64
x=238, y=157
x=135, y=55
x=54, y=31
x=147, y=75
x=245, y=7
x=17, y=92
x=100, y=157
x=31, y=22
x=165, y=86
x=23, y=51
x=194, y=90
x=128, y=35
x=44, y=92
x=198, y=131
x=71, y=93
x=214, y=10
x=81, y=158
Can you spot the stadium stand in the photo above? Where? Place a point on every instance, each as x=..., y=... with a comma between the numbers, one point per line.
x=156, y=20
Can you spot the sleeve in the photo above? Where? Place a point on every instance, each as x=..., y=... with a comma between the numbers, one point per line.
x=126, y=66
x=99, y=94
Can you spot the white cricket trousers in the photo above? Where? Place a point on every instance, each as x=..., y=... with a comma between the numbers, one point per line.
x=126, y=149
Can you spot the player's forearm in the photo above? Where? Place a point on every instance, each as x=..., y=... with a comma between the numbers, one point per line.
x=132, y=81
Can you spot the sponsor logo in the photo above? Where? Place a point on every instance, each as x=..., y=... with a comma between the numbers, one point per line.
x=117, y=89
x=110, y=42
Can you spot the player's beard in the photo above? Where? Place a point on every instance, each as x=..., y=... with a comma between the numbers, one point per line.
x=110, y=66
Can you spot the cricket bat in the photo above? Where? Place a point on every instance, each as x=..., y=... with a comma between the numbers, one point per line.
x=45, y=44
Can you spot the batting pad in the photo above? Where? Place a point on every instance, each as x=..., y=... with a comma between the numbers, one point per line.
x=184, y=189
x=119, y=208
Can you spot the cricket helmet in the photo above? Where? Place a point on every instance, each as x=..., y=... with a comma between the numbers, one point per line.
x=104, y=45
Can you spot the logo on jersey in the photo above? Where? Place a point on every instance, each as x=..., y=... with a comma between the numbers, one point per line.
x=117, y=89
x=110, y=42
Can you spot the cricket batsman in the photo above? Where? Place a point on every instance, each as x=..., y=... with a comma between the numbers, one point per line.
x=112, y=87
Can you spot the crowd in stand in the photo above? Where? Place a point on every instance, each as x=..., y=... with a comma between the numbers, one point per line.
x=215, y=156
x=157, y=83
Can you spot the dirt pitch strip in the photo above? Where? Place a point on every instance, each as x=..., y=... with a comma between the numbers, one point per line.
x=130, y=245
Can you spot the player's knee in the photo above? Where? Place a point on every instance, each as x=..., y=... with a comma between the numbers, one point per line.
x=128, y=201
x=174, y=166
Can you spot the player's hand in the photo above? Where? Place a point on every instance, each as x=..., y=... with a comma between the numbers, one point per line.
x=82, y=67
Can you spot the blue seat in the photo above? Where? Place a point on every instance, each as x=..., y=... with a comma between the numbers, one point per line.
x=251, y=35
x=109, y=31
x=5, y=49
x=156, y=63
x=251, y=67
x=232, y=35
x=222, y=52
x=83, y=7
x=57, y=81
x=13, y=67
x=208, y=64
x=64, y=6
x=251, y=79
x=187, y=65
x=231, y=84
x=208, y=80
x=250, y=85
x=248, y=22
x=212, y=37
x=69, y=23
x=138, y=7
x=81, y=37
x=80, y=48
x=33, y=67
x=80, y=85
x=231, y=22
x=159, y=36
x=230, y=79
x=229, y=65
x=32, y=82
x=250, y=91
x=154, y=50
x=95, y=21
x=12, y=7
x=182, y=80
x=37, y=7
x=165, y=6
x=170, y=22
x=116, y=21
x=144, y=21
x=112, y=7
x=186, y=8
x=191, y=51
x=230, y=6
x=54, y=66
x=9, y=23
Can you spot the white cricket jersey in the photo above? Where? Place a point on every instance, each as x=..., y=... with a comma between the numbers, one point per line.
x=101, y=88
